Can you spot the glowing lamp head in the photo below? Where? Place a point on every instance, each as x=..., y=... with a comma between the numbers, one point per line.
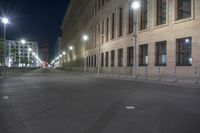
x=64, y=53
x=85, y=37
x=71, y=48
x=23, y=41
x=5, y=20
x=30, y=49
x=135, y=5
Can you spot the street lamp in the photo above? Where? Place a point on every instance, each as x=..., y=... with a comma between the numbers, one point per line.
x=5, y=21
x=71, y=48
x=30, y=49
x=135, y=6
x=85, y=38
x=64, y=53
x=23, y=41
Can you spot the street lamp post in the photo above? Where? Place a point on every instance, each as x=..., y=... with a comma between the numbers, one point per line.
x=99, y=56
x=5, y=21
x=85, y=38
x=135, y=5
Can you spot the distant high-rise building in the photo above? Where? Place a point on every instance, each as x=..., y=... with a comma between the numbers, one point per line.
x=18, y=54
x=44, y=53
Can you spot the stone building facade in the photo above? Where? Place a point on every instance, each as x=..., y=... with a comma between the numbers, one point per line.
x=168, y=37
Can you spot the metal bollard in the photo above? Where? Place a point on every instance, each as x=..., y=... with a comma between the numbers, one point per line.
x=196, y=75
x=146, y=73
x=118, y=71
x=174, y=75
x=159, y=77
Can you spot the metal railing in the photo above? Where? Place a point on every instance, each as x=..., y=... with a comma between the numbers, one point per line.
x=10, y=71
x=165, y=73
x=186, y=74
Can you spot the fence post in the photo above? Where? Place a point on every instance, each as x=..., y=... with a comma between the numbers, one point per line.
x=159, y=77
x=118, y=71
x=196, y=75
x=107, y=72
x=112, y=71
x=145, y=73
x=174, y=75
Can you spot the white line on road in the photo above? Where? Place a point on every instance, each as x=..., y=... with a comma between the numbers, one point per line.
x=5, y=97
x=130, y=107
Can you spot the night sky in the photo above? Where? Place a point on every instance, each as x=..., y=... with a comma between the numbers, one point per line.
x=35, y=20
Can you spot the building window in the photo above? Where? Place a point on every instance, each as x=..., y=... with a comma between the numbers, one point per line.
x=144, y=15
x=89, y=63
x=120, y=21
x=112, y=58
x=184, y=52
x=183, y=9
x=95, y=7
x=92, y=11
x=143, y=55
x=107, y=28
x=113, y=26
x=99, y=5
x=107, y=59
x=102, y=31
x=120, y=57
x=92, y=61
x=130, y=21
x=103, y=2
x=102, y=59
x=95, y=60
x=161, y=12
x=161, y=53
x=130, y=56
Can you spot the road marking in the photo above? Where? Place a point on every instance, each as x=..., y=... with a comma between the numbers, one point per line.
x=5, y=97
x=130, y=107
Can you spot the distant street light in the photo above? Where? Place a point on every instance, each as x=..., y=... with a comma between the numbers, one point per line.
x=5, y=21
x=30, y=49
x=85, y=38
x=64, y=53
x=23, y=41
x=135, y=5
x=71, y=47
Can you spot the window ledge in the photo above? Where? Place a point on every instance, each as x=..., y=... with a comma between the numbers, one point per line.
x=183, y=20
x=160, y=26
x=145, y=30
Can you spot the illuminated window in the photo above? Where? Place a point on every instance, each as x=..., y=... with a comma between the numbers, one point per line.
x=143, y=55
x=161, y=53
x=184, y=52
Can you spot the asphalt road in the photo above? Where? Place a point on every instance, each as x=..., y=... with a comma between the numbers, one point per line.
x=52, y=101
